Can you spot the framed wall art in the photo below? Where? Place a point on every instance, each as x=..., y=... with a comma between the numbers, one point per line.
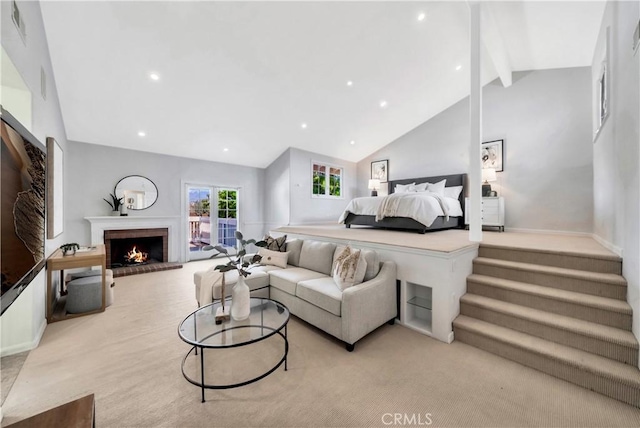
x=380, y=170
x=492, y=155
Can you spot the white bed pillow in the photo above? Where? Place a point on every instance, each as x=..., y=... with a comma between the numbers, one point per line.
x=452, y=192
x=437, y=187
x=421, y=187
x=404, y=188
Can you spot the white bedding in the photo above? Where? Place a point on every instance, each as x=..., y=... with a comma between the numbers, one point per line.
x=420, y=206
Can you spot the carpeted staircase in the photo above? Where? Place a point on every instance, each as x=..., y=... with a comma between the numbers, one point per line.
x=563, y=314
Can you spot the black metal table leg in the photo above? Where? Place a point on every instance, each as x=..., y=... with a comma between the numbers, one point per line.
x=286, y=347
x=202, y=370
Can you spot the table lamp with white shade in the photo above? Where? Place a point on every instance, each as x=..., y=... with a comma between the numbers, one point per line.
x=374, y=185
x=488, y=175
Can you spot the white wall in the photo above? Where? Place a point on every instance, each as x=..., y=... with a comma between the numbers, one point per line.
x=24, y=321
x=92, y=171
x=616, y=154
x=277, y=177
x=545, y=120
x=306, y=209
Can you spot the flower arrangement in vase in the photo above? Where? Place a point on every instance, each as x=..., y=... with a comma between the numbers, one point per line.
x=240, y=297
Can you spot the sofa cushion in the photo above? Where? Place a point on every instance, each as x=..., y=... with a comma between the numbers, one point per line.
x=293, y=248
x=349, y=268
x=275, y=244
x=321, y=292
x=263, y=268
x=274, y=258
x=373, y=262
x=209, y=283
x=287, y=279
x=317, y=256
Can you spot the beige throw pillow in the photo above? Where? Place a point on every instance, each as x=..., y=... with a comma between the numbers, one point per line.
x=273, y=258
x=349, y=268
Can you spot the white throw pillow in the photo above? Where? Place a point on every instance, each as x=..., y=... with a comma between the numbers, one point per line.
x=404, y=188
x=274, y=258
x=349, y=268
x=421, y=187
x=452, y=192
x=437, y=187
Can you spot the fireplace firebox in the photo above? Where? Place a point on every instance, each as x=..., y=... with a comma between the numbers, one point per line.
x=136, y=247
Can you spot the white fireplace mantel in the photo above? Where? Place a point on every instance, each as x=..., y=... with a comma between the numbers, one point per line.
x=172, y=223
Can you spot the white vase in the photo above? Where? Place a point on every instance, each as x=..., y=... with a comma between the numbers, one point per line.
x=240, y=300
x=115, y=213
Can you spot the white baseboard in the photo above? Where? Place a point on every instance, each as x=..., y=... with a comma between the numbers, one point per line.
x=25, y=346
x=608, y=245
x=547, y=232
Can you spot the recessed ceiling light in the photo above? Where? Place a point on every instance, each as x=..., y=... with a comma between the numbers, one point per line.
x=383, y=104
x=142, y=134
x=352, y=142
x=154, y=76
x=303, y=126
x=349, y=83
x=225, y=149
x=458, y=68
x=422, y=16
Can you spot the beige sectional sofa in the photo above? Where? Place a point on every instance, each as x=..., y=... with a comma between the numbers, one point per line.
x=307, y=288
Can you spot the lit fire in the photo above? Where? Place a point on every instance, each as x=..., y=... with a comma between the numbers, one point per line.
x=135, y=256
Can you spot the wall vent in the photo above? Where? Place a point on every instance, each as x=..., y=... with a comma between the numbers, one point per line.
x=16, y=16
x=43, y=83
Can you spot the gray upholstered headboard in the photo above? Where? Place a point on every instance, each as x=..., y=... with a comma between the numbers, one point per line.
x=452, y=180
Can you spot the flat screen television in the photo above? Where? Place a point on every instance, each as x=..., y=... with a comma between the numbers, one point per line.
x=22, y=208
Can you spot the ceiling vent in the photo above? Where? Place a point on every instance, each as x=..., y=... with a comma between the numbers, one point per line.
x=17, y=19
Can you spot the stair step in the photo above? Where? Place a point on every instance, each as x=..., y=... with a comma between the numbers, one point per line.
x=611, y=378
x=598, y=339
x=588, y=262
x=601, y=310
x=597, y=284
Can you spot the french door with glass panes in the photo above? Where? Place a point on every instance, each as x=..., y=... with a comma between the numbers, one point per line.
x=213, y=219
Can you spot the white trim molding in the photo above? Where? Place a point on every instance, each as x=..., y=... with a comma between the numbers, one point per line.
x=608, y=245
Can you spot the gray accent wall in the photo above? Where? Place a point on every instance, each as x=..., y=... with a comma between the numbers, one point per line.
x=23, y=323
x=288, y=199
x=544, y=119
x=278, y=191
x=93, y=170
x=306, y=209
x=616, y=153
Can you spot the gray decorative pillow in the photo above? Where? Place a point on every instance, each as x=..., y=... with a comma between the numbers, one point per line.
x=276, y=244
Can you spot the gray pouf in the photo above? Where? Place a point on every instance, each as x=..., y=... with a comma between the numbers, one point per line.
x=86, y=273
x=85, y=294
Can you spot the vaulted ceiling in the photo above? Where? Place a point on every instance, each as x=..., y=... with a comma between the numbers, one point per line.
x=240, y=82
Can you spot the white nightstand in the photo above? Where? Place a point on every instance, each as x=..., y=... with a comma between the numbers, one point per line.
x=492, y=211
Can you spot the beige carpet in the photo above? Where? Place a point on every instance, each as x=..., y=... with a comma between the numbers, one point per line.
x=454, y=239
x=130, y=358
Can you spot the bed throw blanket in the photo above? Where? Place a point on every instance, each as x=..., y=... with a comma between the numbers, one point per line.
x=389, y=205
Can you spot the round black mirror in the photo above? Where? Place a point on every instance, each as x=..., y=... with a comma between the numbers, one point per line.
x=137, y=192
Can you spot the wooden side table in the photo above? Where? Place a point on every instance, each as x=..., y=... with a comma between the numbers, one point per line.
x=81, y=259
x=79, y=413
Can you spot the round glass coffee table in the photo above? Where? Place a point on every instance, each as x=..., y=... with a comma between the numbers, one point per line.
x=199, y=329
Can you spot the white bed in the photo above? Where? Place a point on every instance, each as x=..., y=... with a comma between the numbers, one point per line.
x=423, y=207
